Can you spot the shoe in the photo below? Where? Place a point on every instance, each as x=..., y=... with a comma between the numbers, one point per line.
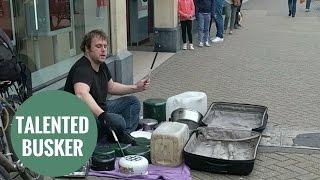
x=293, y=15
x=289, y=13
x=307, y=10
x=200, y=44
x=217, y=40
x=230, y=32
x=208, y=44
x=191, y=47
x=126, y=138
x=184, y=47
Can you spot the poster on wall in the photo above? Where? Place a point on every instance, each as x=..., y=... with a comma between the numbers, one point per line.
x=5, y=18
x=142, y=8
x=101, y=8
x=60, y=16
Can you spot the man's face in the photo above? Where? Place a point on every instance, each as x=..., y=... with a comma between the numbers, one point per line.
x=98, y=49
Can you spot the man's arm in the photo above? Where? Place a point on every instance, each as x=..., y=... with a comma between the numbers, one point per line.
x=116, y=88
x=82, y=91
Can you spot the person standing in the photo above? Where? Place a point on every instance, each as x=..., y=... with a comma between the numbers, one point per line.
x=292, y=7
x=218, y=21
x=230, y=10
x=186, y=11
x=204, y=10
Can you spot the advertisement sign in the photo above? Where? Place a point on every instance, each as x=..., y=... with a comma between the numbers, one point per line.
x=60, y=16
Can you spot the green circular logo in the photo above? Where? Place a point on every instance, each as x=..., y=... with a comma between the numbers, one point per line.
x=54, y=133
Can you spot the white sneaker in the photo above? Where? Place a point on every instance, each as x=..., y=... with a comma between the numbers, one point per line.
x=184, y=47
x=191, y=47
x=207, y=44
x=217, y=40
x=200, y=44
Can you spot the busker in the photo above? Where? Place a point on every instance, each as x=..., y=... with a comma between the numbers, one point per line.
x=90, y=80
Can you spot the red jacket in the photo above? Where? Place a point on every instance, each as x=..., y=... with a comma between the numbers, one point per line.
x=186, y=10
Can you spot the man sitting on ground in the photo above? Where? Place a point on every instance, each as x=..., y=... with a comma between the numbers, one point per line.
x=90, y=79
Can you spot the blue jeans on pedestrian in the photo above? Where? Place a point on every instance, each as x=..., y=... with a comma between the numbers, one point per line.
x=203, y=27
x=124, y=113
x=308, y=4
x=218, y=17
x=292, y=7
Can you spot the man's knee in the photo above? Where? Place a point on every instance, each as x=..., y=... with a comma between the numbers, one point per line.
x=134, y=101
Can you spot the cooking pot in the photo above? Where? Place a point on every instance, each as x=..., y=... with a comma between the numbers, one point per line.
x=187, y=116
x=133, y=165
x=148, y=124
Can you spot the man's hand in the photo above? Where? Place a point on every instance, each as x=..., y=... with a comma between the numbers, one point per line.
x=142, y=85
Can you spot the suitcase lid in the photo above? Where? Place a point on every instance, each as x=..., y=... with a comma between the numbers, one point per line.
x=236, y=116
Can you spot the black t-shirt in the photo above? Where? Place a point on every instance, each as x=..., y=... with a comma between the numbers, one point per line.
x=82, y=71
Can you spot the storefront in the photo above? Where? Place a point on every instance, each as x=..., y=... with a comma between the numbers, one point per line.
x=47, y=34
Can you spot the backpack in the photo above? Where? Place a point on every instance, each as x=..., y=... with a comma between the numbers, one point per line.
x=11, y=69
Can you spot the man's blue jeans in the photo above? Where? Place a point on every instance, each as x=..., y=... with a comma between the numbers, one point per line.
x=124, y=116
x=124, y=113
x=203, y=27
x=292, y=7
x=218, y=17
x=308, y=4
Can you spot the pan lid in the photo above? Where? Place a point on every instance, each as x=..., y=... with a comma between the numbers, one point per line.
x=236, y=116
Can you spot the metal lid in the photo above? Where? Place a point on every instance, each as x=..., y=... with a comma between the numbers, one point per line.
x=148, y=122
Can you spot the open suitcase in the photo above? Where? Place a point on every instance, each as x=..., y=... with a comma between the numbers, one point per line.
x=229, y=142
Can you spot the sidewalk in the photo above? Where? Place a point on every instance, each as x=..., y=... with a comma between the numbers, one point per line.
x=274, y=61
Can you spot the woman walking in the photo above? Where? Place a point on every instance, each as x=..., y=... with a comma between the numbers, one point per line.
x=186, y=11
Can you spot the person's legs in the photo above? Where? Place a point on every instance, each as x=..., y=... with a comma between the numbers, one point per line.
x=308, y=5
x=290, y=7
x=227, y=12
x=183, y=31
x=117, y=123
x=219, y=18
x=233, y=17
x=293, y=10
x=200, y=28
x=206, y=25
x=128, y=107
x=189, y=30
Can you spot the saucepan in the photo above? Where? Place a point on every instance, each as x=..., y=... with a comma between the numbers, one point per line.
x=187, y=116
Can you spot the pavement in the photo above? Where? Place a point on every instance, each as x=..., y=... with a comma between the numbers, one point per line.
x=273, y=60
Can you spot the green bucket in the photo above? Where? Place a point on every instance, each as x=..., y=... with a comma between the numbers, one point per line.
x=140, y=141
x=155, y=109
x=138, y=150
x=117, y=149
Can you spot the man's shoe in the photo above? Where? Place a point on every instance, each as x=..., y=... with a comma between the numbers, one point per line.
x=217, y=40
x=208, y=44
x=307, y=10
x=289, y=13
x=126, y=138
x=191, y=47
x=200, y=44
x=184, y=47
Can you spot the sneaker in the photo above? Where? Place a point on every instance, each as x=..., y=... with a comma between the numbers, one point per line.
x=217, y=40
x=307, y=10
x=230, y=32
x=184, y=47
x=207, y=44
x=200, y=44
x=191, y=47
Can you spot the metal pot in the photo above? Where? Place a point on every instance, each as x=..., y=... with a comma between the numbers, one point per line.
x=187, y=116
x=148, y=124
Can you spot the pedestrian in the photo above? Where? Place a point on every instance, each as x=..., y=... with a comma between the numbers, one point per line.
x=308, y=3
x=292, y=7
x=186, y=13
x=90, y=80
x=218, y=21
x=204, y=10
x=230, y=10
x=237, y=23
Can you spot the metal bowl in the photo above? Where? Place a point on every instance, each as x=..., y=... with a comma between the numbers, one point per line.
x=187, y=116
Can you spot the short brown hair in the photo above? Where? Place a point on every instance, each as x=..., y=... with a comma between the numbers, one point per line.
x=86, y=41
